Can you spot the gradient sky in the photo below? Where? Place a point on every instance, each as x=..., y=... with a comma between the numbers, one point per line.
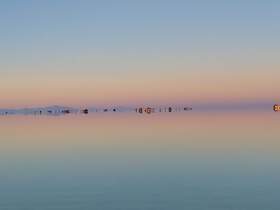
x=127, y=52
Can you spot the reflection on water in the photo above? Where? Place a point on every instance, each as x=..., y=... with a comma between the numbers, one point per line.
x=128, y=161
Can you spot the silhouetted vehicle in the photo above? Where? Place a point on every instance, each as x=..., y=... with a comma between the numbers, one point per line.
x=66, y=111
x=85, y=111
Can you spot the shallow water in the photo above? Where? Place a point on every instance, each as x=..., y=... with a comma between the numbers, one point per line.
x=193, y=160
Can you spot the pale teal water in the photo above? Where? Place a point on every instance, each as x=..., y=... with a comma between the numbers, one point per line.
x=183, y=170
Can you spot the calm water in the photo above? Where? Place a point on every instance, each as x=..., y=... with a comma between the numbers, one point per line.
x=193, y=160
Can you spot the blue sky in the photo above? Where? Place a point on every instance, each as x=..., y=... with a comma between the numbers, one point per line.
x=114, y=40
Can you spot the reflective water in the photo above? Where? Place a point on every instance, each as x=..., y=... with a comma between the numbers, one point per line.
x=127, y=161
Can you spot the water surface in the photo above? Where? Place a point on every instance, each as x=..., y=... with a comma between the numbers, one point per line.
x=194, y=160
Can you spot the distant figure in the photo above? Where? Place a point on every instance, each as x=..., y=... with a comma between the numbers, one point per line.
x=140, y=110
x=149, y=110
x=170, y=109
x=114, y=110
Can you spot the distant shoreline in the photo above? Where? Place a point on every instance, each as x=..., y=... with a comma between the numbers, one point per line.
x=63, y=110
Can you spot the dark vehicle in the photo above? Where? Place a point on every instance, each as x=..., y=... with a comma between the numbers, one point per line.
x=85, y=111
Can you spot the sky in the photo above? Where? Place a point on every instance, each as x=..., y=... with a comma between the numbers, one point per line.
x=79, y=53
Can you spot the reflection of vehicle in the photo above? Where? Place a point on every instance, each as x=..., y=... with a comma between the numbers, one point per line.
x=276, y=108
